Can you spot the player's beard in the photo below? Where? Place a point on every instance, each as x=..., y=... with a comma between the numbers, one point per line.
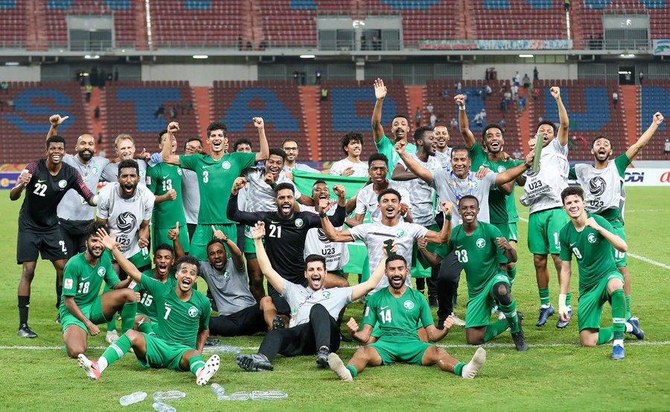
x=86, y=155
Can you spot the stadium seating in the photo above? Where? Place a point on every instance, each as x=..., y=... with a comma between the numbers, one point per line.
x=519, y=20
x=25, y=127
x=13, y=23
x=654, y=98
x=236, y=103
x=131, y=108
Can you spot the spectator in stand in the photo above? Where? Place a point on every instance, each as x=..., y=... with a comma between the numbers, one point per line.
x=666, y=148
x=433, y=119
x=430, y=108
x=317, y=77
x=160, y=111
x=459, y=86
x=501, y=124
x=641, y=76
x=517, y=79
x=417, y=117
x=517, y=154
x=521, y=104
x=536, y=94
x=566, y=5
x=536, y=74
x=526, y=80
x=615, y=98
x=453, y=123
x=96, y=113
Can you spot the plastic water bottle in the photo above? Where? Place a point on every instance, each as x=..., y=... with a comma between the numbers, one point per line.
x=168, y=396
x=268, y=395
x=132, y=398
x=235, y=350
x=219, y=391
x=161, y=407
x=240, y=396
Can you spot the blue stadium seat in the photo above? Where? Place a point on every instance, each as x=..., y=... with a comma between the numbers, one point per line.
x=654, y=99
x=198, y=4
x=7, y=4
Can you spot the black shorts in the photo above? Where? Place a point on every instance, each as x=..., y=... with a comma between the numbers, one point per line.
x=74, y=235
x=48, y=243
x=245, y=322
x=280, y=303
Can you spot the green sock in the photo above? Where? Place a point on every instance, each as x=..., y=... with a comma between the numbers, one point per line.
x=146, y=327
x=510, y=316
x=605, y=335
x=618, y=313
x=196, y=362
x=354, y=371
x=511, y=274
x=568, y=299
x=544, y=296
x=627, y=298
x=128, y=316
x=458, y=369
x=494, y=329
x=117, y=349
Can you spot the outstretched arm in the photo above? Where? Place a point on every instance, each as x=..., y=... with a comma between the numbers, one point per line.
x=445, y=233
x=238, y=258
x=55, y=121
x=274, y=278
x=166, y=153
x=511, y=174
x=414, y=166
x=364, y=288
x=635, y=148
x=380, y=95
x=463, y=122
x=124, y=263
x=264, y=152
x=562, y=116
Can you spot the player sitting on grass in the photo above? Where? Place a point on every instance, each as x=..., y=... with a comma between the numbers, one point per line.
x=183, y=321
x=590, y=239
x=398, y=310
x=82, y=306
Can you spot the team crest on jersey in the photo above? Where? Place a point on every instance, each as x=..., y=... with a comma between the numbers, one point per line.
x=480, y=243
x=591, y=238
x=226, y=275
x=299, y=223
x=408, y=304
x=225, y=165
x=501, y=169
x=179, y=172
x=101, y=272
x=326, y=294
x=400, y=233
x=193, y=312
x=62, y=183
x=321, y=235
x=126, y=221
x=597, y=186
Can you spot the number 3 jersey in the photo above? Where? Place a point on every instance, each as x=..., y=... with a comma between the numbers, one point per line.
x=45, y=191
x=124, y=216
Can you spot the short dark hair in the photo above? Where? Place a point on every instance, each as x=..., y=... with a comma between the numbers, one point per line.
x=570, y=191
x=164, y=246
x=602, y=136
x=402, y=116
x=55, y=139
x=492, y=126
x=215, y=241
x=129, y=163
x=553, y=126
x=241, y=141
x=160, y=135
x=460, y=148
x=282, y=186
x=278, y=152
x=315, y=258
x=192, y=139
x=92, y=228
x=319, y=181
x=217, y=126
x=349, y=137
x=418, y=133
x=393, y=257
x=468, y=197
x=378, y=156
x=187, y=259
x=283, y=142
x=386, y=191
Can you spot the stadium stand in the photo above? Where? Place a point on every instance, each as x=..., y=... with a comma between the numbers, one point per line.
x=12, y=23
x=654, y=98
x=517, y=20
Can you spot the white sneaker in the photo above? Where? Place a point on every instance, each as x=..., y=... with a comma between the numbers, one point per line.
x=210, y=368
x=112, y=336
x=501, y=316
x=458, y=321
x=470, y=370
x=91, y=368
x=336, y=365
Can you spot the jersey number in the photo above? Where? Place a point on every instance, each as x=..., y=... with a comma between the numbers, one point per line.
x=462, y=256
x=577, y=253
x=168, y=309
x=205, y=176
x=147, y=299
x=385, y=315
x=83, y=287
x=619, y=255
x=167, y=185
x=40, y=189
x=275, y=231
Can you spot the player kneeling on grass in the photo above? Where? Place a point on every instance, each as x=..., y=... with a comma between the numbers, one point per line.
x=82, y=306
x=313, y=328
x=183, y=319
x=590, y=239
x=398, y=310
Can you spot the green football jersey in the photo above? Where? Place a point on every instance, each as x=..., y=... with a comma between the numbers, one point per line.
x=178, y=321
x=478, y=253
x=387, y=147
x=160, y=179
x=594, y=253
x=147, y=304
x=502, y=207
x=398, y=316
x=215, y=179
x=82, y=281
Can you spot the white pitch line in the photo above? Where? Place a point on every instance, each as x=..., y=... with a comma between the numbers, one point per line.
x=454, y=346
x=634, y=256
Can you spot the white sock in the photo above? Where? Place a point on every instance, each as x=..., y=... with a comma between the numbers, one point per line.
x=546, y=306
x=629, y=327
x=616, y=342
x=102, y=364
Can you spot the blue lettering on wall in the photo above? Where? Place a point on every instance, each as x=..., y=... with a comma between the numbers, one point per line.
x=39, y=103
x=259, y=102
x=346, y=118
x=597, y=113
x=146, y=102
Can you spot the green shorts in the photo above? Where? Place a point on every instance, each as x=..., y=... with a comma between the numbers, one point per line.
x=159, y=236
x=543, y=230
x=92, y=312
x=249, y=248
x=512, y=232
x=141, y=260
x=202, y=236
x=161, y=354
x=620, y=258
x=478, y=310
x=396, y=349
x=591, y=303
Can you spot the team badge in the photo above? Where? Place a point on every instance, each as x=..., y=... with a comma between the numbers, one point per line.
x=408, y=304
x=299, y=223
x=400, y=233
x=501, y=169
x=597, y=186
x=62, y=184
x=126, y=221
x=480, y=243
x=226, y=275
x=226, y=165
x=591, y=238
x=326, y=294
x=101, y=272
x=68, y=284
x=179, y=172
x=193, y=312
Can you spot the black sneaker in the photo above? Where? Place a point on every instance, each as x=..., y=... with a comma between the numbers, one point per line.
x=26, y=332
x=256, y=362
x=518, y=338
x=278, y=322
x=560, y=324
x=58, y=319
x=322, y=357
x=545, y=313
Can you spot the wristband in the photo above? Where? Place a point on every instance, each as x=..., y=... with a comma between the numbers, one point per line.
x=561, y=300
x=447, y=217
x=322, y=214
x=528, y=166
x=461, y=107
